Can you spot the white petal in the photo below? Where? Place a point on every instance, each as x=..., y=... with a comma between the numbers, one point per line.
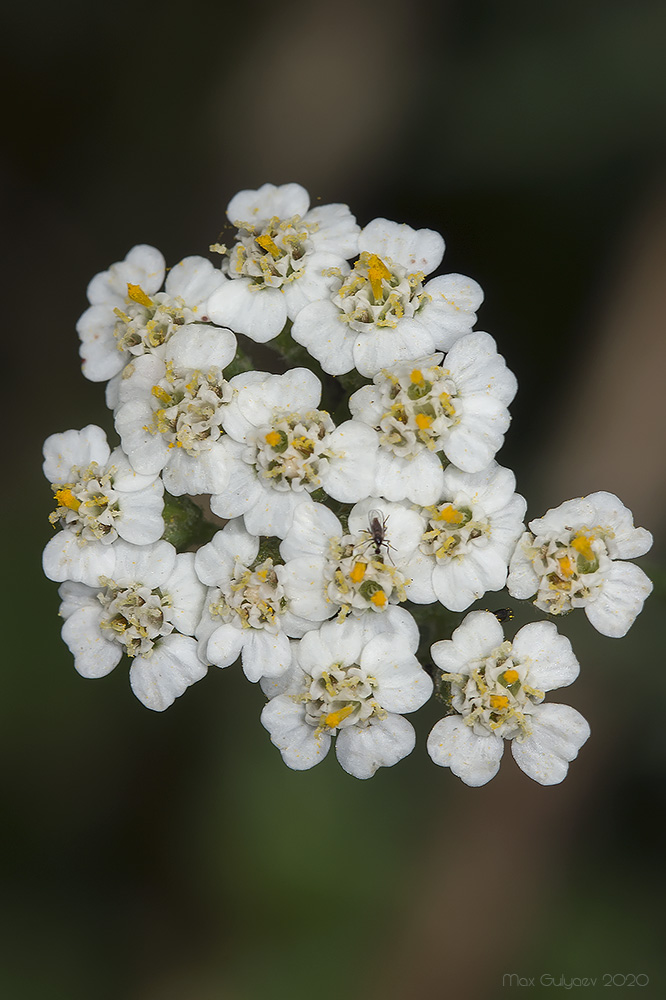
x=201, y=347
x=273, y=511
x=241, y=491
x=474, y=759
x=150, y=565
x=620, y=600
x=284, y=719
x=193, y=279
x=303, y=581
x=314, y=283
x=94, y=654
x=381, y=744
x=206, y=472
x=265, y=655
x=320, y=328
x=415, y=249
x=558, y=733
x=419, y=479
x=351, y=471
x=74, y=449
x=626, y=541
x=67, y=557
x=403, y=685
x=142, y=521
x=214, y=562
x=166, y=672
x=257, y=207
x=187, y=593
x=522, y=581
x=366, y=405
x=101, y=359
x=552, y=663
x=384, y=348
x=225, y=645
x=257, y=311
x=336, y=229
x=144, y=265
x=477, y=635
x=311, y=530
x=451, y=313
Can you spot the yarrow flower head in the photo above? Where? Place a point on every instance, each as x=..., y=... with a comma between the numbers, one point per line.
x=468, y=537
x=457, y=409
x=246, y=612
x=129, y=316
x=296, y=523
x=147, y=608
x=329, y=571
x=281, y=448
x=570, y=558
x=99, y=498
x=282, y=258
x=497, y=690
x=381, y=313
x=351, y=681
x=170, y=411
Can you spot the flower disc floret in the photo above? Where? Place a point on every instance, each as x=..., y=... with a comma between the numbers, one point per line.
x=146, y=323
x=497, y=689
x=571, y=558
x=292, y=452
x=348, y=681
x=358, y=579
x=419, y=408
x=252, y=598
x=378, y=293
x=99, y=498
x=189, y=407
x=271, y=253
x=129, y=316
x=284, y=257
x=135, y=616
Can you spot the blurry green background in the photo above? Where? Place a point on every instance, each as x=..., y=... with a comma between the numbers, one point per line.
x=163, y=857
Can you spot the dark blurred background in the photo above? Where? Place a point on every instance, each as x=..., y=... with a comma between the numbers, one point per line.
x=163, y=857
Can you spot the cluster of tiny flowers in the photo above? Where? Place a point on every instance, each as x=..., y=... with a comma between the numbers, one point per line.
x=343, y=513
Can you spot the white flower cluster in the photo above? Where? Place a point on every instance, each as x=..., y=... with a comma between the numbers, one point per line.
x=339, y=528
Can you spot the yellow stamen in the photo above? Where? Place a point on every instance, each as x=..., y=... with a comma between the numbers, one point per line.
x=137, y=294
x=423, y=421
x=499, y=701
x=66, y=498
x=334, y=719
x=267, y=244
x=162, y=395
x=510, y=676
x=358, y=572
x=450, y=515
x=416, y=377
x=566, y=566
x=273, y=439
x=583, y=544
x=377, y=271
x=379, y=598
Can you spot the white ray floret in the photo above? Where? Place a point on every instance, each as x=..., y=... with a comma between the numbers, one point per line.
x=148, y=608
x=129, y=316
x=571, y=558
x=382, y=313
x=352, y=681
x=497, y=690
x=246, y=612
x=457, y=407
x=328, y=571
x=281, y=448
x=99, y=498
x=286, y=255
x=468, y=537
x=171, y=407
